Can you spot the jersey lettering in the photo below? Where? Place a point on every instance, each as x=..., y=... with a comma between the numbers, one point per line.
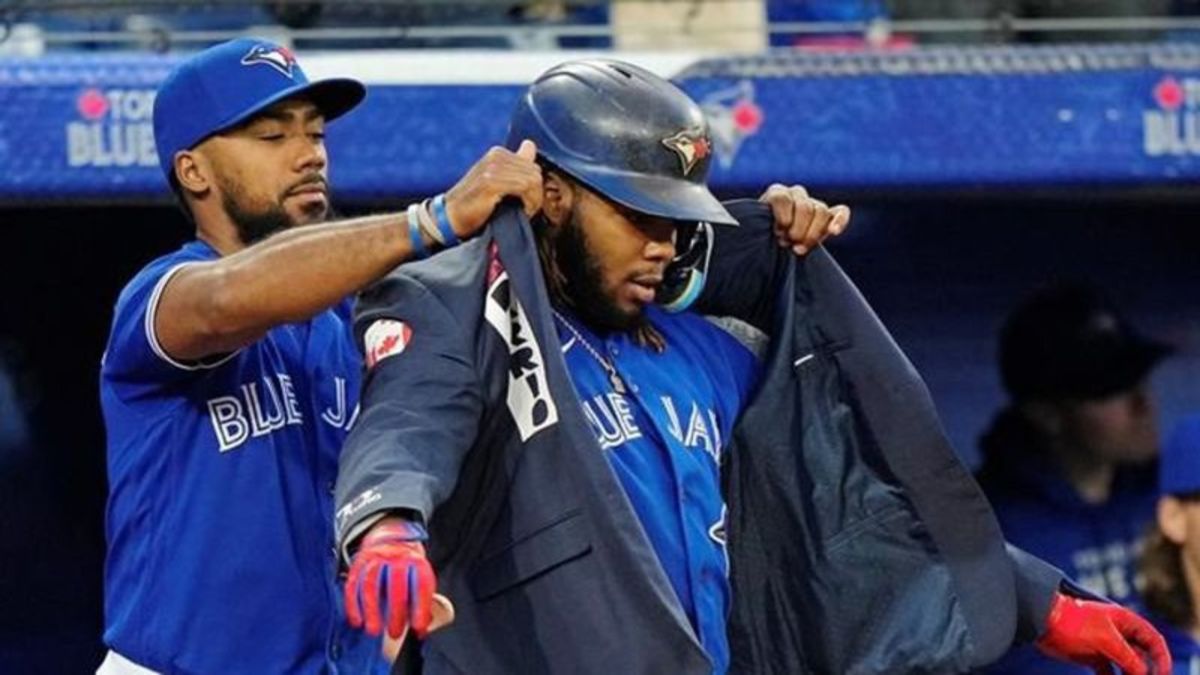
x=611, y=419
x=261, y=422
x=701, y=431
x=229, y=422
x=1105, y=570
x=336, y=417
x=235, y=420
x=289, y=396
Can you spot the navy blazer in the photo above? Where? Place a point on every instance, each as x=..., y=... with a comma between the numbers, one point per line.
x=858, y=542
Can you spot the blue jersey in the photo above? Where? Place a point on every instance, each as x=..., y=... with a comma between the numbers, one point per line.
x=219, y=519
x=664, y=436
x=1185, y=649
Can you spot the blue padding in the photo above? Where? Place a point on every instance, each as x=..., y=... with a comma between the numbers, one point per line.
x=78, y=127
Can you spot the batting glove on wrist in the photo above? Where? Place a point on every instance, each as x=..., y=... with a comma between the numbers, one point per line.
x=390, y=576
x=1099, y=635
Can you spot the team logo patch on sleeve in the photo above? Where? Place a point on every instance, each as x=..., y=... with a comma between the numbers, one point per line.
x=384, y=338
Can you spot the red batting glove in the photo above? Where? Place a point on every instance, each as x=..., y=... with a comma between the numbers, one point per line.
x=390, y=565
x=1099, y=635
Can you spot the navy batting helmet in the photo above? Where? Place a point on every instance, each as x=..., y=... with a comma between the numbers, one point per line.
x=625, y=133
x=638, y=140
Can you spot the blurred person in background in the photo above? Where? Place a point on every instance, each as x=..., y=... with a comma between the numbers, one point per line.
x=1170, y=561
x=1069, y=464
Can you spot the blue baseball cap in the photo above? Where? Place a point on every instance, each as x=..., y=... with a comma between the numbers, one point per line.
x=228, y=84
x=1179, y=466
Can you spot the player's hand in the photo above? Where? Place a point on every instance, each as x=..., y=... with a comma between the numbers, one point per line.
x=1100, y=635
x=500, y=173
x=391, y=579
x=803, y=223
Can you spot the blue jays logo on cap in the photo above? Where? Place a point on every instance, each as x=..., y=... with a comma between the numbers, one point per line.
x=226, y=85
x=279, y=58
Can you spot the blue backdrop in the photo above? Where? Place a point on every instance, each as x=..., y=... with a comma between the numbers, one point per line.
x=75, y=127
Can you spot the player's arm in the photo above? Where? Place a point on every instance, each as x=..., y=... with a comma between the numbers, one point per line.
x=1072, y=625
x=746, y=267
x=220, y=306
x=748, y=262
x=421, y=405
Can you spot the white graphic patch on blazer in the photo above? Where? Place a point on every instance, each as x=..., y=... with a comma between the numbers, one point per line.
x=529, y=399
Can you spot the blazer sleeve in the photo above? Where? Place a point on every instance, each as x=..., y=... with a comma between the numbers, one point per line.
x=421, y=406
x=746, y=269
x=1037, y=582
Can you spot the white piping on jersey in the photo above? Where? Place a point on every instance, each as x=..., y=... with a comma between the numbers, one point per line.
x=152, y=338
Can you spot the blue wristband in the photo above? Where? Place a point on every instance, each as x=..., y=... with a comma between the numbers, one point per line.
x=443, y=221
x=414, y=233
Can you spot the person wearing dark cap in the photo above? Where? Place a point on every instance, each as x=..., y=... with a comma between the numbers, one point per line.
x=1069, y=463
x=1170, y=561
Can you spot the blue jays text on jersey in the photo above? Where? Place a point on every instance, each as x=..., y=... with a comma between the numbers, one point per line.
x=663, y=419
x=220, y=506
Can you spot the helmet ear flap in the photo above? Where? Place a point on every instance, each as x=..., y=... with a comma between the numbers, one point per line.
x=684, y=278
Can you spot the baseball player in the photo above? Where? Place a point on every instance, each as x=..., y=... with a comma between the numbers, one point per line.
x=563, y=461
x=229, y=380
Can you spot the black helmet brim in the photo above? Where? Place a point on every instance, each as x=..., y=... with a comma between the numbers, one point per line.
x=661, y=196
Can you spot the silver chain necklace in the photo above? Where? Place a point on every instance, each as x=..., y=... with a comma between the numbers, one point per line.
x=614, y=377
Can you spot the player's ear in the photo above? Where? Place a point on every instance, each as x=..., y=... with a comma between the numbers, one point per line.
x=1172, y=519
x=191, y=173
x=558, y=196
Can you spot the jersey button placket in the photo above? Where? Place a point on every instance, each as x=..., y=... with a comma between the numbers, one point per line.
x=614, y=352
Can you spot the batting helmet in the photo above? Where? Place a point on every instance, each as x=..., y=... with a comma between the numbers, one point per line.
x=625, y=133
x=637, y=139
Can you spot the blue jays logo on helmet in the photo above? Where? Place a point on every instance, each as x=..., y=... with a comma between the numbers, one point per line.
x=691, y=146
x=279, y=58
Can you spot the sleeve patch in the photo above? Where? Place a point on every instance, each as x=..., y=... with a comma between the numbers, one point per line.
x=384, y=338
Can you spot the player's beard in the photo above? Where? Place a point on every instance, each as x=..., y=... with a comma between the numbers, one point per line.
x=253, y=227
x=583, y=279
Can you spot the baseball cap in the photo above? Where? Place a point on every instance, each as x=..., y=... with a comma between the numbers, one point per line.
x=228, y=84
x=1179, y=464
x=1068, y=341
